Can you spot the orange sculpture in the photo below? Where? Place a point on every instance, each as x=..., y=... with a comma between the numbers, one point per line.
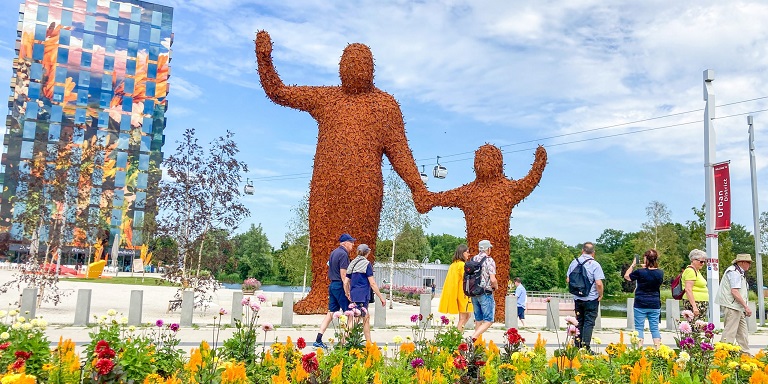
x=357, y=124
x=487, y=204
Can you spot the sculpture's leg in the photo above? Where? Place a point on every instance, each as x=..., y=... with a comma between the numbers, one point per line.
x=324, y=236
x=502, y=276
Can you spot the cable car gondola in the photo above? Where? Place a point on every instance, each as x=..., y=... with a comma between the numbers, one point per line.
x=248, y=189
x=424, y=176
x=439, y=171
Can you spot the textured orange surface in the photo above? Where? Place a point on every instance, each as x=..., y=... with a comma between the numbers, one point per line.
x=487, y=204
x=357, y=124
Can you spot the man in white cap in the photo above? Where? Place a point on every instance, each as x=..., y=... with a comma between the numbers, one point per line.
x=485, y=304
x=733, y=299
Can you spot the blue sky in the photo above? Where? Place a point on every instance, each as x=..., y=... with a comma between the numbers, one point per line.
x=468, y=73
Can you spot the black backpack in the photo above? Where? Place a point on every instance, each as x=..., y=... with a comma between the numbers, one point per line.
x=578, y=281
x=473, y=271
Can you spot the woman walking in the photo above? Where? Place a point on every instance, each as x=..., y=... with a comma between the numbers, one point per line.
x=360, y=284
x=647, y=294
x=696, y=292
x=452, y=299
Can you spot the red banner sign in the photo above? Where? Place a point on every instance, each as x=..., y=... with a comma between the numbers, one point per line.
x=722, y=197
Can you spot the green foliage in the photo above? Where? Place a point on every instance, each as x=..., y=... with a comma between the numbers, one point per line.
x=443, y=246
x=25, y=336
x=253, y=254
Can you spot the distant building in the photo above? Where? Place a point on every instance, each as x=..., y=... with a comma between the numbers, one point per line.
x=412, y=274
x=89, y=73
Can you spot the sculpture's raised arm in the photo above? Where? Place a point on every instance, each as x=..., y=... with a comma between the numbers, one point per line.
x=400, y=156
x=527, y=184
x=297, y=97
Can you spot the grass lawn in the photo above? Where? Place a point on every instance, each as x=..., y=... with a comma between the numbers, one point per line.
x=136, y=280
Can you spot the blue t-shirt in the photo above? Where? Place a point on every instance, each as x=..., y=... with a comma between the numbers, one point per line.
x=339, y=260
x=521, y=295
x=647, y=294
x=594, y=272
x=359, y=287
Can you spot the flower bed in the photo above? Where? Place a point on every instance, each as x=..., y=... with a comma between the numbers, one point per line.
x=119, y=353
x=405, y=294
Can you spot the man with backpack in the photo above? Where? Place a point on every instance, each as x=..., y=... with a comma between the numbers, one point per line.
x=585, y=281
x=483, y=301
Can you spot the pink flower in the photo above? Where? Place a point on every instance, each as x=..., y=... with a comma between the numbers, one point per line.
x=222, y=311
x=414, y=318
x=356, y=312
x=572, y=330
x=266, y=327
x=687, y=314
x=261, y=297
x=159, y=323
x=336, y=315
x=352, y=305
x=701, y=325
x=245, y=301
x=571, y=320
x=685, y=327
x=255, y=307
x=174, y=327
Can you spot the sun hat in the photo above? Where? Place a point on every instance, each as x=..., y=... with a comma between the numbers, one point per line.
x=743, y=257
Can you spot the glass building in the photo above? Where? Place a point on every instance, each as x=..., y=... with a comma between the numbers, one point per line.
x=90, y=80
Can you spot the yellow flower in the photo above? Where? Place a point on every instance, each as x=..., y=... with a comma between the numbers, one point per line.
x=234, y=373
x=19, y=378
x=299, y=374
x=732, y=365
x=336, y=371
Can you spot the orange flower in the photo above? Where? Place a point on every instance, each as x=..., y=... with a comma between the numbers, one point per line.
x=717, y=377
x=234, y=374
x=540, y=345
x=161, y=87
x=407, y=348
x=758, y=377
x=641, y=371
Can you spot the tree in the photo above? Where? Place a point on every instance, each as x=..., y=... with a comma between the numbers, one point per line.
x=253, y=254
x=204, y=193
x=398, y=210
x=294, y=258
x=444, y=246
x=658, y=233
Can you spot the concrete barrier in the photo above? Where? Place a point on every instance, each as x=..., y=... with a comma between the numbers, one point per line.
x=599, y=318
x=510, y=311
x=83, y=308
x=752, y=320
x=187, y=307
x=379, y=314
x=425, y=305
x=135, y=307
x=237, y=307
x=29, y=302
x=287, y=318
x=553, y=314
x=673, y=314
x=631, y=313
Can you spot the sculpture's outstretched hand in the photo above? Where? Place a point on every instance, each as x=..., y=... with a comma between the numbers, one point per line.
x=423, y=200
x=263, y=44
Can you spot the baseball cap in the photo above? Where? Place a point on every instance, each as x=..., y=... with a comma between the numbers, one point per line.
x=484, y=245
x=346, y=237
x=363, y=248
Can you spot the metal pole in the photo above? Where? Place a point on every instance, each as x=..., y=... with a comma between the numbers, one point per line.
x=756, y=219
x=306, y=262
x=713, y=261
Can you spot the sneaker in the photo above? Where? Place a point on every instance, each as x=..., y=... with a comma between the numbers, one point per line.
x=320, y=344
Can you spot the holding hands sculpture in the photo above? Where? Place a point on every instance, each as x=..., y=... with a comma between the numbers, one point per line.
x=487, y=204
x=357, y=124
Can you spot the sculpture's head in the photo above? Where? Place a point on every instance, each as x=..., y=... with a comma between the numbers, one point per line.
x=356, y=68
x=489, y=162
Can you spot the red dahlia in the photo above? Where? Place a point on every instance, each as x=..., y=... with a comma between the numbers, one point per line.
x=309, y=362
x=104, y=366
x=300, y=343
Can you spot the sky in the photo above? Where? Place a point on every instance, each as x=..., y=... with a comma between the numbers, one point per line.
x=612, y=89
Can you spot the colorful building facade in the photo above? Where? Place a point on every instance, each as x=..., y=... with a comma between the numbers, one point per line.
x=90, y=81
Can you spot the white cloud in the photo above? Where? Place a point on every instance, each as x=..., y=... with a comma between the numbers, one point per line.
x=298, y=148
x=182, y=88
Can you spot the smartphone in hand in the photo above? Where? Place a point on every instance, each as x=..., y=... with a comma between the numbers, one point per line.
x=638, y=260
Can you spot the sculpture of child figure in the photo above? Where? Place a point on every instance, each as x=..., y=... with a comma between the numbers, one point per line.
x=487, y=204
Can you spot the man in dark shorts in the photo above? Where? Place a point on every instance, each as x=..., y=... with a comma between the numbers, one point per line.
x=337, y=274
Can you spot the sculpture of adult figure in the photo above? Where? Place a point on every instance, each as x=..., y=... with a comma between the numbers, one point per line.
x=357, y=124
x=487, y=204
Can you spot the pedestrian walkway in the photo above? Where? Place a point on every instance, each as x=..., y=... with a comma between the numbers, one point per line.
x=155, y=305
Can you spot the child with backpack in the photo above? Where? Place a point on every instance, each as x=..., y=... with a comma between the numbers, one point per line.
x=585, y=281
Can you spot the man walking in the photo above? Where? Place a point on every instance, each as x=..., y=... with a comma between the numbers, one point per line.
x=337, y=274
x=521, y=295
x=733, y=299
x=485, y=305
x=586, y=307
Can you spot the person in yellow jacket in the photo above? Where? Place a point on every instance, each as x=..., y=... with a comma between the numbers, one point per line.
x=452, y=299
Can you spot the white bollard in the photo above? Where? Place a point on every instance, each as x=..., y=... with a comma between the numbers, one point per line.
x=673, y=314
x=287, y=318
x=752, y=321
x=510, y=311
x=379, y=314
x=631, y=313
x=237, y=307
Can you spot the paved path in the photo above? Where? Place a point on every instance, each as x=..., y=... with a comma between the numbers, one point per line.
x=113, y=296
